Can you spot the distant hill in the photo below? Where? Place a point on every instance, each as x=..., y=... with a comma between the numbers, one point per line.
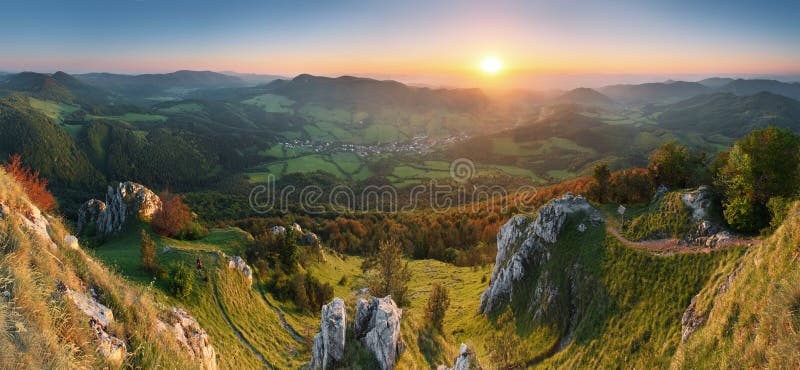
x=656, y=92
x=60, y=87
x=750, y=87
x=585, y=96
x=155, y=87
x=368, y=94
x=715, y=82
x=254, y=78
x=731, y=115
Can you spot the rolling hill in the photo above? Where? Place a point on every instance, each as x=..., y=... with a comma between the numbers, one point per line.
x=731, y=115
x=750, y=87
x=156, y=87
x=585, y=96
x=654, y=92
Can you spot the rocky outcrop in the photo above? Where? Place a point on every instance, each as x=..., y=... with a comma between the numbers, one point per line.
x=523, y=242
x=329, y=342
x=297, y=229
x=110, y=347
x=700, y=202
x=277, y=230
x=691, y=320
x=466, y=360
x=126, y=200
x=238, y=263
x=377, y=326
x=71, y=241
x=190, y=335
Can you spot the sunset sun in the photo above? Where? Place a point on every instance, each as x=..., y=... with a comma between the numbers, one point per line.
x=491, y=65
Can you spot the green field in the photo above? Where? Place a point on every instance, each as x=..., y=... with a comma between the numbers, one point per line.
x=182, y=108
x=271, y=103
x=342, y=165
x=54, y=110
x=131, y=117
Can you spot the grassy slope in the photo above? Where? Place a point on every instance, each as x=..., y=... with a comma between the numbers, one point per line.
x=755, y=323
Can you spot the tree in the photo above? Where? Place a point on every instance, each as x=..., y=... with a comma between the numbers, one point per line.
x=181, y=280
x=35, y=186
x=602, y=178
x=675, y=166
x=438, y=303
x=148, y=249
x=388, y=273
x=173, y=219
x=760, y=166
x=288, y=252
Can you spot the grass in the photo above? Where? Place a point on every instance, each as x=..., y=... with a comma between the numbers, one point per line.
x=271, y=103
x=131, y=117
x=182, y=108
x=666, y=218
x=54, y=110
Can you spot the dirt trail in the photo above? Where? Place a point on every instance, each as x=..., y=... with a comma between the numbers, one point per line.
x=236, y=331
x=673, y=246
x=281, y=316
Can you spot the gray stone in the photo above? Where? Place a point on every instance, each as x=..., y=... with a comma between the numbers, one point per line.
x=329, y=343
x=377, y=326
x=126, y=200
x=698, y=201
x=194, y=340
x=238, y=263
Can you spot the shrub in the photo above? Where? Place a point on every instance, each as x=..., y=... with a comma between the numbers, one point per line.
x=743, y=215
x=174, y=219
x=34, y=185
x=149, y=257
x=438, y=303
x=677, y=167
x=181, y=280
x=388, y=273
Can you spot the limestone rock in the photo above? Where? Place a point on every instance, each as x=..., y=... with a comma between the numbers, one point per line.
x=89, y=212
x=699, y=201
x=691, y=320
x=660, y=192
x=190, y=335
x=91, y=307
x=297, y=229
x=377, y=326
x=72, y=242
x=112, y=348
x=329, y=342
x=126, y=200
x=277, y=230
x=466, y=360
x=523, y=242
x=238, y=263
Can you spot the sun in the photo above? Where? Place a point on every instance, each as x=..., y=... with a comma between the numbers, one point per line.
x=491, y=65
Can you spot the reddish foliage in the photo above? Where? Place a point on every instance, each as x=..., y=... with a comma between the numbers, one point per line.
x=34, y=185
x=174, y=217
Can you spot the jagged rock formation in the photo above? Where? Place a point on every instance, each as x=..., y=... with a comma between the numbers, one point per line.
x=277, y=230
x=523, y=242
x=329, y=342
x=126, y=200
x=238, y=263
x=100, y=316
x=190, y=335
x=700, y=201
x=466, y=360
x=377, y=326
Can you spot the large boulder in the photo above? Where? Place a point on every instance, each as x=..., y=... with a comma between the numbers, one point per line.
x=190, y=335
x=524, y=242
x=110, y=347
x=126, y=200
x=377, y=326
x=329, y=342
x=699, y=201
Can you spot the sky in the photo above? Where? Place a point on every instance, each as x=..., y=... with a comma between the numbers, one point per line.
x=420, y=41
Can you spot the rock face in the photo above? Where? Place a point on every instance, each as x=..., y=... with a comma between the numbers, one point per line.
x=329, y=342
x=699, y=201
x=238, y=263
x=191, y=336
x=377, y=326
x=691, y=320
x=466, y=360
x=126, y=200
x=91, y=307
x=523, y=242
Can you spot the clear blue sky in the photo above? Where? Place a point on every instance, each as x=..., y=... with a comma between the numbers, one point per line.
x=402, y=37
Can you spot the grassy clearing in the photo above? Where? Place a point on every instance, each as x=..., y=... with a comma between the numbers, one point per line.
x=182, y=108
x=271, y=103
x=131, y=117
x=666, y=218
x=54, y=110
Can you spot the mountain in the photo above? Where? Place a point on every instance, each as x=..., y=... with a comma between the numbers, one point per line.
x=369, y=94
x=155, y=87
x=60, y=87
x=731, y=115
x=585, y=96
x=254, y=78
x=750, y=87
x=656, y=92
x=715, y=82
x=43, y=144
